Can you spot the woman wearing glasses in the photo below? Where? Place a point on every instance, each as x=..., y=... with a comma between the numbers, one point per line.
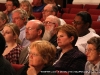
x=92, y=66
x=41, y=58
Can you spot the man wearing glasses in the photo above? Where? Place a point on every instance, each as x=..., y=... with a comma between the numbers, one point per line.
x=51, y=9
x=50, y=23
x=82, y=22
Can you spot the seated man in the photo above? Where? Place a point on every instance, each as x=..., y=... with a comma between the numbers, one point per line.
x=82, y=22
x=50, y=23
x=38, y=5
x=34, y=31
x=51, y=9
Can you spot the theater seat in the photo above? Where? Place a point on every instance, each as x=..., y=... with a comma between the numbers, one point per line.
x=17, y=66
x=75, y=10
x=38, y=15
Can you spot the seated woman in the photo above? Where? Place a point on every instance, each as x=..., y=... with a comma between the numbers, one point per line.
x=92, y=66
x=69, y=58
x=27, y=6
x=41, y=58
x=13, y=47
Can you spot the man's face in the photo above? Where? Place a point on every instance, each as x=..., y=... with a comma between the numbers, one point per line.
x=16, y=18
x=47, y=11
x=9, y=6
x=31, y=31
x=49, y=28
x=79, y=25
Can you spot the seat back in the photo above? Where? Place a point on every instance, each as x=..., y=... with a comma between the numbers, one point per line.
x=17, y=67
x=75, y=10
x=68, y=16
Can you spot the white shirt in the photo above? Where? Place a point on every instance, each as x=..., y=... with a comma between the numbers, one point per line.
x=82, y=41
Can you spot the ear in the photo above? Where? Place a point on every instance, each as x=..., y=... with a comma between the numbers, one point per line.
x=87, y=25
x=39, y=32
x=71, y=38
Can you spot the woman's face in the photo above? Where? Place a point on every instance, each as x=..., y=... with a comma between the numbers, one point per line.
x=63, y=40
x=92, y=54
x=25, y=7
x=35, y=59
x=8, y=34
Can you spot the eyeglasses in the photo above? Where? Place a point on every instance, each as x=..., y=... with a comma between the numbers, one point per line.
x=90, y=50
x=33, y=54
x=47, y=23
x=77, y=22
x=29, y=28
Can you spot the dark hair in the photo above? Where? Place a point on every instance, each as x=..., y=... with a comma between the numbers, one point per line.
x=86, y=17
x=15, y=3
x=2, y=44
x=54, y=8
x=70, y=31
x=95, y=41
x=41, y=27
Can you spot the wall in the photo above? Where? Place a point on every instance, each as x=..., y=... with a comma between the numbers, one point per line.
x=95, y=2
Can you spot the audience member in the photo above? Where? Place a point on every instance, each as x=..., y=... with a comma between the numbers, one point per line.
x=13, y=47
x=50, y=24
x=5, y=66
x=27, y=6
x=38, y=5
x=60, y=10
x=41, y=58
x=20, y=17
x=69, y=58
x=3, y=20
x=51, y=9
x=10, y=6
x=93, y=56
x=34, y=31
x=82, y=22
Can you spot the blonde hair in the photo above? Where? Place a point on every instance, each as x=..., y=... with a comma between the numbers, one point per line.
x=27, y=3
x=16, y=31
x=46, y=50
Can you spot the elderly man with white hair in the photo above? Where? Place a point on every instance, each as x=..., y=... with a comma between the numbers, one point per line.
x=50, y=23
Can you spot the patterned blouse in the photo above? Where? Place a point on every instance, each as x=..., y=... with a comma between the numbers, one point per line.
x=13, y=55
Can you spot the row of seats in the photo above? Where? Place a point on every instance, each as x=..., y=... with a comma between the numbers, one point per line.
x=76, y=10
x=72, y=16
x=38, y=15
x=86, y=6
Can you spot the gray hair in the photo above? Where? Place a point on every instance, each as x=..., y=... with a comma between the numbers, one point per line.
x=56, y=19
x=23, y=13
x=95, y=41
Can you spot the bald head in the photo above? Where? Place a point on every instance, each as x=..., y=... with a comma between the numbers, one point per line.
x=53, y=19
x=49, y=9
x=34, y=30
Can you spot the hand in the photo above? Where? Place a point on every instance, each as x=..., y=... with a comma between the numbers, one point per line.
x=31, y=71
x=6, y=12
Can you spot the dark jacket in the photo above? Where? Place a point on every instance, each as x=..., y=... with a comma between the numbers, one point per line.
x=5, y=67
x=53, y=40
x=71, y=61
